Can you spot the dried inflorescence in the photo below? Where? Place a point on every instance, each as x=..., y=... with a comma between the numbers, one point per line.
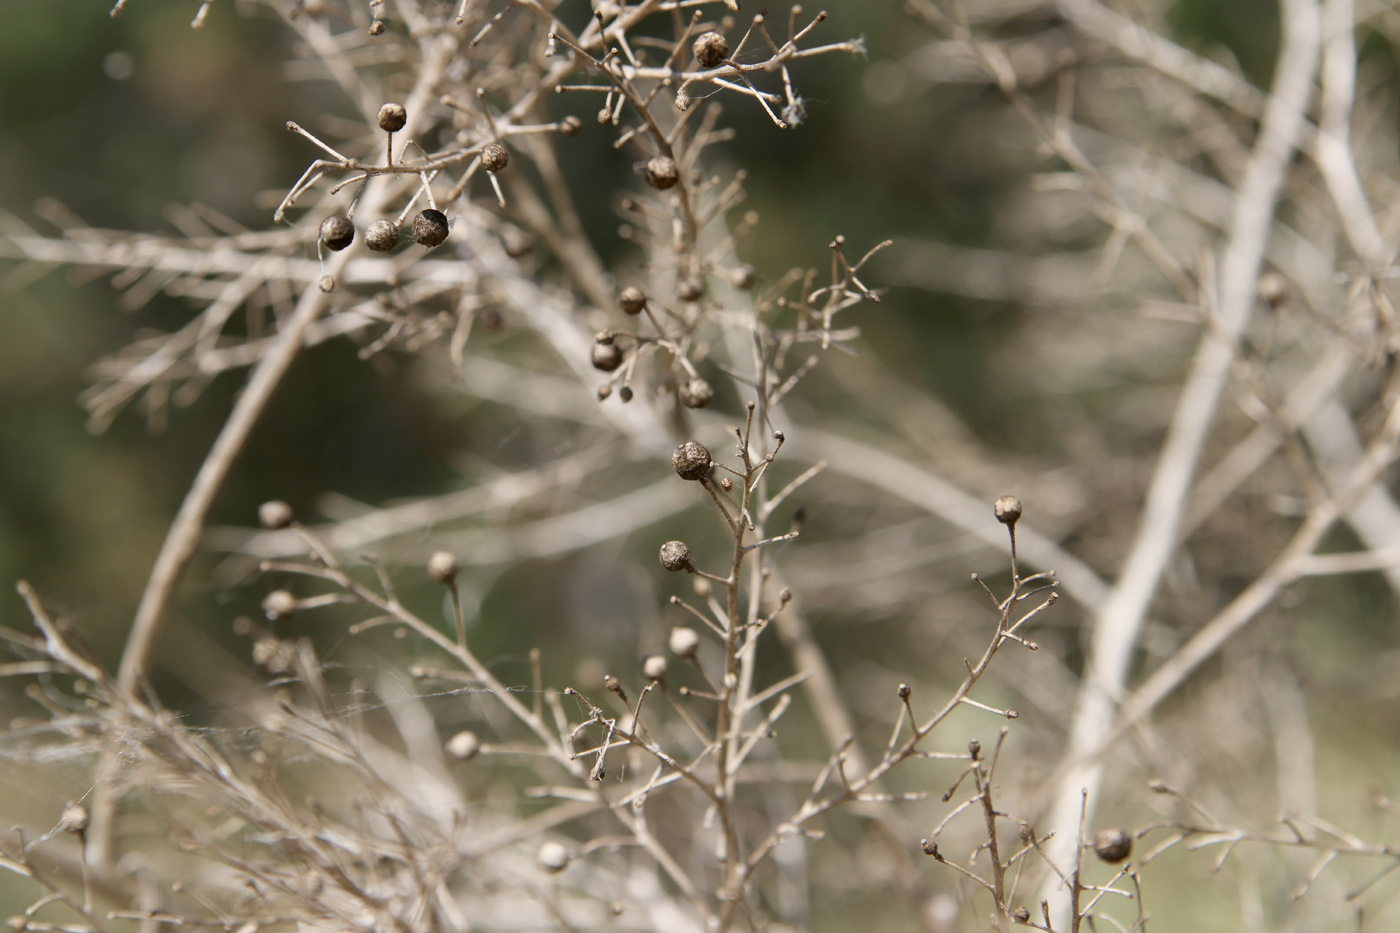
x=573, y=806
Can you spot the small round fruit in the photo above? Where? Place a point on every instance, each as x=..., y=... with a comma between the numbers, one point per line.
x=430, y=228
x=654, y=667
x=632, y=299
x=392, y=117
x=553, y=857
x=464, y=746
x=274, y=514
x=684, y=641
x=1008, y=510
x=697, y=393
x=607, y=356
x=382, y=236
x=675, y=555
x=710, y=49
x=692, y=461
x=1112, y=844
x=442, y=567
x=661, y=173
x=494, y=157
x=337, y=231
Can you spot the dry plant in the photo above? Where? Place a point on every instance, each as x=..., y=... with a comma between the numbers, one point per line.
x=1243, y=274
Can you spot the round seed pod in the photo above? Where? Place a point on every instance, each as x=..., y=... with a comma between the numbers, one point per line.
x=326, y=284
x=607, y=356
x=654, y=667
x=442, y=567
x=430, y=228
x=376, y=28
x=684, y=641
x=392, y=117
x=382, y=236
x=692, y=461
x=274, y=514
x=494, y=157
x=745, y=277
x=279, y=604
x=625, y=393
x=697, y=393
x=661, y=173
x=337, y=231
x=463, y=746
x=570, y=126
x=553, y=857
x=1021, y=915
x=1008, y=510
x=1112, y=844
x=690, y=288
x=632, y=299
x=675, y=555
x=710, y=49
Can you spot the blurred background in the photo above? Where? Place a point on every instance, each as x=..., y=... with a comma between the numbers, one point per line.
x=1006, y=382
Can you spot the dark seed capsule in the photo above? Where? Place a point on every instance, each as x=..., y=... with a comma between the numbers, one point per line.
x=392, y=117
x=337, y=232
x=430, y=228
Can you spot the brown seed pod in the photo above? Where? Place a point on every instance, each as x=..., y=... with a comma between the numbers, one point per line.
x=337, y=231
x=744, y=277
x=661, y=172
x=692, y=461
x=494, y=157
x=710, y=49
x=697, y=393
x=274, y=514
x=607, y=356
x=430, y=228
x=382, y=236
x=1008, y=510
x=392, y=117
x=570, y=126
x=376, y=28
x=690, y=288
x=442, y=567
x=632, y=299
x=675, y=555
x=625, y=393
x=1021, y=915
x=1112, y=844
